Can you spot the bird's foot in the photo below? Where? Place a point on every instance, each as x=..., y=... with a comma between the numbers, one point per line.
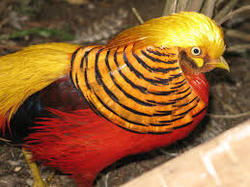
x=38, y=181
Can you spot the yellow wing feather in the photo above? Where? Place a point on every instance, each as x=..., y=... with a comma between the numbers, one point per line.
x=28, y=71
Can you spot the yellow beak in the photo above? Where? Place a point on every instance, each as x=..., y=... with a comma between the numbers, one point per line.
x=222, y=63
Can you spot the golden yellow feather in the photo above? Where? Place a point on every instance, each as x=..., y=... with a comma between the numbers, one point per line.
x=28, y=71
x=185, y=29
x=33, y=68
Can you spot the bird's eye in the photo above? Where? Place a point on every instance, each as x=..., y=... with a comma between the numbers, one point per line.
x=196, y=51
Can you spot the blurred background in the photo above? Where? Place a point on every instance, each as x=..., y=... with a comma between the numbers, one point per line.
x=28, y=22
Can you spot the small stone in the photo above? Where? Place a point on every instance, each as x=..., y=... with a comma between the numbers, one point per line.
x=29, y=182
x=17, y=169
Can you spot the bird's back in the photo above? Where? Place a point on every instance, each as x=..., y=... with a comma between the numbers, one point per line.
x=60, y=95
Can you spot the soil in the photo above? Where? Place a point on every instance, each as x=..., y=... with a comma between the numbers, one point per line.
x=96, y=22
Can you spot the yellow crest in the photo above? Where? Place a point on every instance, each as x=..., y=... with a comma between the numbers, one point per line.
x=185, y=29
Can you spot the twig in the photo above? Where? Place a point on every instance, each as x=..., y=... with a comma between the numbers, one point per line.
x=218, y=3
x=208, y=8
x=238, y=34
x=182, y=5
x=106, y=180
x=229, y=116
x=4, y=140
x=168, y=153
x=137, y=15
x=238, y=47
x=233, y=13
x=195, y=5
x=225, y=11
x=170, y=7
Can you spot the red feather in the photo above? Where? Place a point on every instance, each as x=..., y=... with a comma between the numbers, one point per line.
x=82, y=143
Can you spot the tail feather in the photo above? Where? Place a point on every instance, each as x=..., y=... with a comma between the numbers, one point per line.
x=28, y=71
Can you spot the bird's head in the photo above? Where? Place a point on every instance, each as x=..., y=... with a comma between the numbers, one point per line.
x=199, y=40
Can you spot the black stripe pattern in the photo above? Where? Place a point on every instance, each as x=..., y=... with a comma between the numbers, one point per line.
x=141, y=90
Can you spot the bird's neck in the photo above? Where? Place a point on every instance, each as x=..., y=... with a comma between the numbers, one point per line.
x=200, y=85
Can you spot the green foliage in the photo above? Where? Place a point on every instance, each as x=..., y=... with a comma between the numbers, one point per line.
x=43, y=32
x=30, y=6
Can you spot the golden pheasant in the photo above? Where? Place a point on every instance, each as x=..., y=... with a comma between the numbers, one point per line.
x=80, y=109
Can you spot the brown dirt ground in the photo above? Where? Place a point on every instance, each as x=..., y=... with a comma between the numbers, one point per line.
x=96, y=21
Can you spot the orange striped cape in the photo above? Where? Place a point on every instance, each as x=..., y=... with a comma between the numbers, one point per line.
x=142, y=90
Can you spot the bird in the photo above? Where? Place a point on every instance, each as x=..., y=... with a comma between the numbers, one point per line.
x=81, y=108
